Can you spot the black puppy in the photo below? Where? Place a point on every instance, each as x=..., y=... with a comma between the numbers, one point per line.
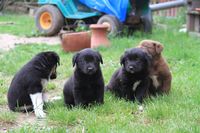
x=131, y=80
x=25, y=92
x=86, y=86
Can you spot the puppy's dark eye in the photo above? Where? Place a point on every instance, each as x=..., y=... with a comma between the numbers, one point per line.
x=89, y=59
x=135, y=57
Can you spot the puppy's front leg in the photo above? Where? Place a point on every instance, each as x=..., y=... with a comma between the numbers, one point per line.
x=78, y=100
x=100, y=99
x=140, y=92
x=100, y=95
x=166, y=83
x=38, y=103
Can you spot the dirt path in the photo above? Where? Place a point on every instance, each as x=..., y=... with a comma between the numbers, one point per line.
x=8, y=41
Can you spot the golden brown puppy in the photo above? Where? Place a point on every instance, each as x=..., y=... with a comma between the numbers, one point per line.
x=159, y=72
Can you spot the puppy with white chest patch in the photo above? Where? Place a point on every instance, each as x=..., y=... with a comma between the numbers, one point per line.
x=86, y=86
x=131, y=81
x=26, y=90
x=159, y=73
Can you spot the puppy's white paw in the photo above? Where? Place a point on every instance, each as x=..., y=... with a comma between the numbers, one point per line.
x=40, y=114
x=38, y=105
x=141, y=109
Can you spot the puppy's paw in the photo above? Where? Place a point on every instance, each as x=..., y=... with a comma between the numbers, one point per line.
x=141, y=108
x=40, y=114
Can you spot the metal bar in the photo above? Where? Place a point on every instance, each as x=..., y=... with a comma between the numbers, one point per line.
x=167, y=5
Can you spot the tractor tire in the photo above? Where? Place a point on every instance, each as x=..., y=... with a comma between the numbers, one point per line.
x=147, y=22
x=114, y=25
x=2, y=3
x=49, y=20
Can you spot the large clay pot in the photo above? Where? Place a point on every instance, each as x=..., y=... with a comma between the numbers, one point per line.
x=75, y=41
x=99, y=35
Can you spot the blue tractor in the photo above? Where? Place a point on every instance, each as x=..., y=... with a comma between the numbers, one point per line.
x=56, y=14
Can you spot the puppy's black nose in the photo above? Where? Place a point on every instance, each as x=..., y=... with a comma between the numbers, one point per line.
x=130, y=67
x=90, y=68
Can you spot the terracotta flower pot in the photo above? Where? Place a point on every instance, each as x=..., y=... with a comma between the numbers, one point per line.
x=99, y=35
x=75, y=41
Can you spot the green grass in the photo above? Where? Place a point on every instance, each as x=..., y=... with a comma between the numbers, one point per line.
x=178, y=112
x=21, y=25
x=7, y=117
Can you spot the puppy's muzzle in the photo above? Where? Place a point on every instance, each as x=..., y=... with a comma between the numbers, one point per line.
x=131, y=69
x=53, y=76
x=90, y=70
x=53, y=73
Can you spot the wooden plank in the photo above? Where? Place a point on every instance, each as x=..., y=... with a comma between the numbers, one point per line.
x=190, y=22
x=193, y=12
x=196, y=23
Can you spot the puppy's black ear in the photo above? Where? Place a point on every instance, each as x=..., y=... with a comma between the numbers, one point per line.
x=74, y=59
x=122, y=59
x=52, y=57
x=99, y=57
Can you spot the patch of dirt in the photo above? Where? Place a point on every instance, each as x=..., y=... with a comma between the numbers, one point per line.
x=5, y=126
x=21, y=120
x=29, y=118
x=8, y=41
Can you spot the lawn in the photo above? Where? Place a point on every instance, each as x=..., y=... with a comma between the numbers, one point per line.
x=178, y=112
x=21, y=25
